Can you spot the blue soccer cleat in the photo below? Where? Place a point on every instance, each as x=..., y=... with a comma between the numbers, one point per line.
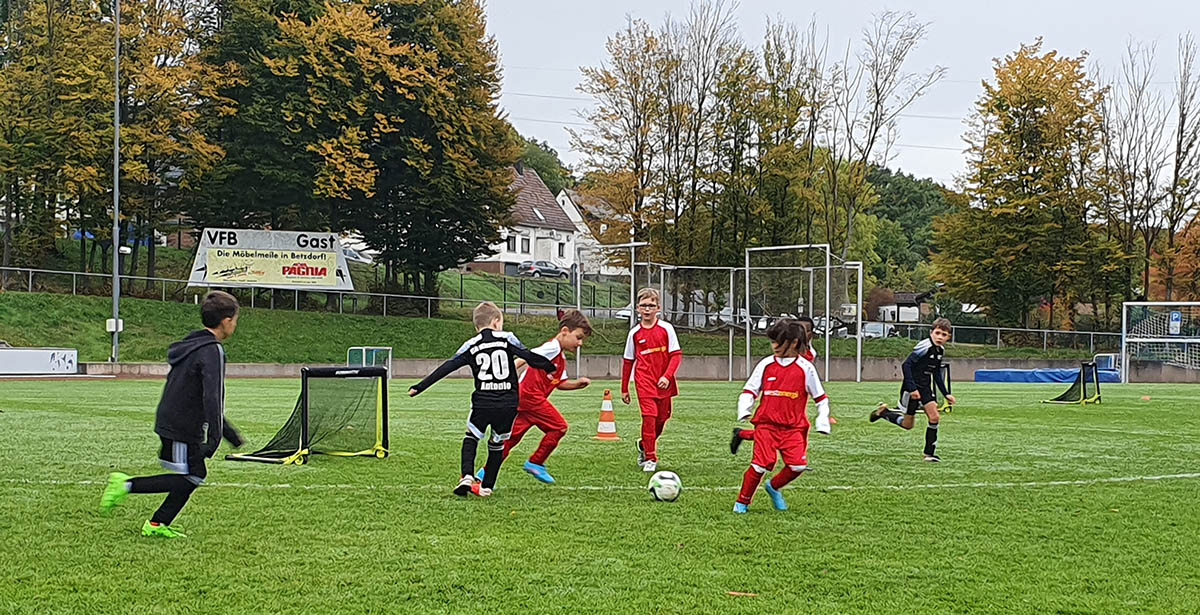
x=479, y=474
x=776, y=497
x=539, y=472
x=740, y=508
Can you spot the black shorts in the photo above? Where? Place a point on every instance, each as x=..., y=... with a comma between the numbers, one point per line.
x=910, y=405
x=183, y=458
x=500, y=420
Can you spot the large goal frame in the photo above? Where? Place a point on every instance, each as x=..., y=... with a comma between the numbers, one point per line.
x=1134, y=334
x=828, y=268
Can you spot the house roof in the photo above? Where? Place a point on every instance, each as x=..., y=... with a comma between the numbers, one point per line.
x=535, y=205
x=912, y=298
x=592, y=206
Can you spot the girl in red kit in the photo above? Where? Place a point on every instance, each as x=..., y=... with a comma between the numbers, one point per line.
x=810, y=355
x=783, y=384
x=652, y=356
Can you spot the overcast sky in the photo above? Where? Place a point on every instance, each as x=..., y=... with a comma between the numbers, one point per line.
x=543, y=43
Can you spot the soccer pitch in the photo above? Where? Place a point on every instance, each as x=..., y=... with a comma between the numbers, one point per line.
x=1035, y=509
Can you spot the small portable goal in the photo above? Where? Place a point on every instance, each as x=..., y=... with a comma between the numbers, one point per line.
x=341, y=411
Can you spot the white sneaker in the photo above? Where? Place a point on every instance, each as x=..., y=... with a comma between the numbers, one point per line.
x=483, y=492
x=649, y=466
x=464, y=486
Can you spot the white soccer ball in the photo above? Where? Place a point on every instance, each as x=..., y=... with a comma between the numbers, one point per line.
x=665, y=486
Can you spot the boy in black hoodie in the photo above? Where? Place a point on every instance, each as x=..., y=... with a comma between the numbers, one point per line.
x=190, y=420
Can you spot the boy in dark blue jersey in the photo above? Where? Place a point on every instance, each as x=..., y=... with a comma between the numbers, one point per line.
x=491, y=355
x=922, y=370
x=190, y=420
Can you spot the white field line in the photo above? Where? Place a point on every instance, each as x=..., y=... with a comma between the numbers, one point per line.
x=800, y=485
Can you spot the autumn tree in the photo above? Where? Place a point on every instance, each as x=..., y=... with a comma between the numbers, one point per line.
x=1183, y=197
x=1033, y=163
x=168, y=91
x=443, y=190
x=267, y=175
x=621, y=137
x=55, y=124
x=869, y=92
x=541, y=157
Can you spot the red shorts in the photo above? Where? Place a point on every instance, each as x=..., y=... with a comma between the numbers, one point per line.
x=542, y=415
x=772, y=441
x=658, y=407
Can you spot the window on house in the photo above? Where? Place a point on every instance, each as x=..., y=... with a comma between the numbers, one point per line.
x=539, y=214
x=512, y=243
x=524, y=245
x=562, y=250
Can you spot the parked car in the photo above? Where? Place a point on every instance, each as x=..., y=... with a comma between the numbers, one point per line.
x=879, y=330
x=840, y=328
x=541, y=269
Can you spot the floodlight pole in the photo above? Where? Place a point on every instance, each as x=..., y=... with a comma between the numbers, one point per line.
x=116, y=232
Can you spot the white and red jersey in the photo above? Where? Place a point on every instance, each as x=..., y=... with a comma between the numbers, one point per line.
x=536, y=385
x=651, y=353
x=810, y=355
x=783, y=387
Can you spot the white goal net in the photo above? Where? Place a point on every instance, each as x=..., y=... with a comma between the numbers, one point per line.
x=1160, y=332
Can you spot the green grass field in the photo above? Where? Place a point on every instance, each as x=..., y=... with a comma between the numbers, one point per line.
x=1035, y=509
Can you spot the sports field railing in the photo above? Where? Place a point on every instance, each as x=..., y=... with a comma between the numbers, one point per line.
x=369, y=303
x=606, y=304
x=1094, y=341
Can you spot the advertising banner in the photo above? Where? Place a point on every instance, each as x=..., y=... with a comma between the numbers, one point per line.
x=270, y=259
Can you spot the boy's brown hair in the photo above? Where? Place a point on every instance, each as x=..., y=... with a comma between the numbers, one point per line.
x=943, y=324
x=649, y=293
x=574, y=319
x=216, y=307
x=484, y=314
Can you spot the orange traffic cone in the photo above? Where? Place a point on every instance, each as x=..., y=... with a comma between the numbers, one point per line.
x=607, y=429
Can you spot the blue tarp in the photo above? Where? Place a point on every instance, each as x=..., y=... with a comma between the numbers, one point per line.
x=1041, y=375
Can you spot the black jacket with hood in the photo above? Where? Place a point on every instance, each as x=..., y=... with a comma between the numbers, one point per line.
x=192, y=408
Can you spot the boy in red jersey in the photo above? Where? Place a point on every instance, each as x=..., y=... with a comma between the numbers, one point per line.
x=785, y=382
x=652, y=355
x=809, y=355
x=534, y=408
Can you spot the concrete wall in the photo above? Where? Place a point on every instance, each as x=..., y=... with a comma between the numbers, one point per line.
x=692, y=368
x=1151, y=371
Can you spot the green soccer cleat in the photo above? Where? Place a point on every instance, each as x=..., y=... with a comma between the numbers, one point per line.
x=161, y=531
x=114, y=493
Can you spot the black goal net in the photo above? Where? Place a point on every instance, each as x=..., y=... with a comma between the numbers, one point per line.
x=341, y=411
x=1085, y=389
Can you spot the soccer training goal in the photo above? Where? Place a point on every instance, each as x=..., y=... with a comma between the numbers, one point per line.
x=341, y=411
x=1085, y=390
x=1159, y=335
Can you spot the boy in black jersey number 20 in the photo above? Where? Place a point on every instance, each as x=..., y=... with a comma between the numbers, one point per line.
x=491, y=355
x=922, y=369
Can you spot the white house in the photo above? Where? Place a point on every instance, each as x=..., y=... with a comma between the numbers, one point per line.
x=580, y=208
x=542, y=230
